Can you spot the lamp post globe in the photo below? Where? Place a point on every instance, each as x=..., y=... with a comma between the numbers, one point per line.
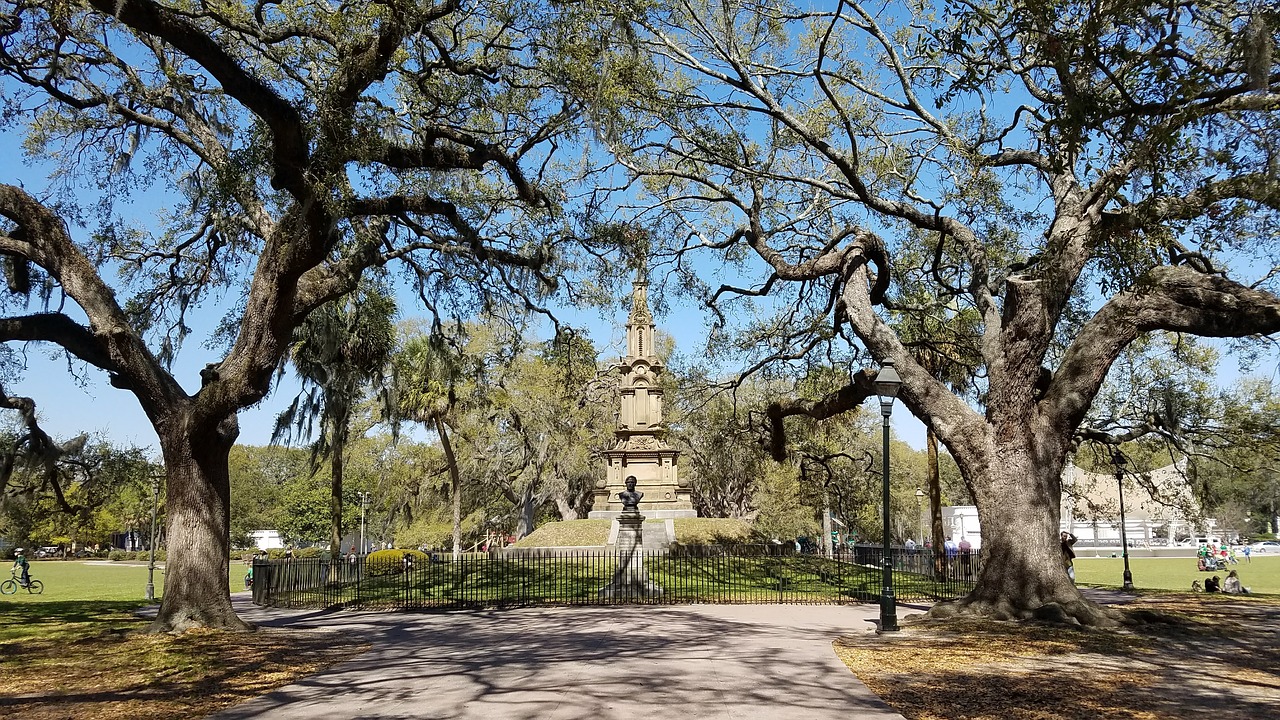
x=920, y=513
x=887, y=383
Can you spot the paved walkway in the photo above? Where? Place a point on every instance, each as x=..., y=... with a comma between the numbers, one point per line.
x=773, y=662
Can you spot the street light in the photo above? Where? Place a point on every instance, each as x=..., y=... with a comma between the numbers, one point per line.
x=151, y=566
x=364, y=497
x=887, y=383
x=1118, y=458
x=920, y=514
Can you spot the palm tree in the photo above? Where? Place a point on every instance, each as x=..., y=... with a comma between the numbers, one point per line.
x=341, y=349
x=434, y=380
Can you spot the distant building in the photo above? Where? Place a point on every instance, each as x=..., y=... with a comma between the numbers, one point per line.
x=960, y=522
x=266, y=539
x=1159, y=508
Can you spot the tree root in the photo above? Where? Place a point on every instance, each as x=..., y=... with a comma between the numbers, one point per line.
x=1074, y=612
x=181, y=622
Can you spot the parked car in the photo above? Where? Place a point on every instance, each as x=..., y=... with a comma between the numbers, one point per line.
x=47, y=552
x=1265, y=546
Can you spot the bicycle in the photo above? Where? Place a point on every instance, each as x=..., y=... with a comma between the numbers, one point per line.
x=10, y=586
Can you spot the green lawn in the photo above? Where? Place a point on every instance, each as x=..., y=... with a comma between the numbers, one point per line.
x=1261, y=576
x=68, y=580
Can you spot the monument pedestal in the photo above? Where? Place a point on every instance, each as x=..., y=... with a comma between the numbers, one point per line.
x=630, y=580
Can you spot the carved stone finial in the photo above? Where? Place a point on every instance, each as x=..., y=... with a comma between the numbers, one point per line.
x=640, y=314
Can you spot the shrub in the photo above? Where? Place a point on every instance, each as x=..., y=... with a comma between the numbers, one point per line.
x=389, y=562
x=116, y=555
x=311, y=552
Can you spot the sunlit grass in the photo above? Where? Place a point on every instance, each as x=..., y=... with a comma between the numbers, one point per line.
x=76, y=580
x=1262, y=575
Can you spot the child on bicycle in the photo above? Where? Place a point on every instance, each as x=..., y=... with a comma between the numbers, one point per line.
x=21, y=563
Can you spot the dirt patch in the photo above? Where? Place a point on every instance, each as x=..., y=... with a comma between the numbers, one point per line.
x=1191, y=656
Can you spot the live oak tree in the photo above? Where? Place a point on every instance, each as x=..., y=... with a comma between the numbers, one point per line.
x=1072, y=176
x=285, y=148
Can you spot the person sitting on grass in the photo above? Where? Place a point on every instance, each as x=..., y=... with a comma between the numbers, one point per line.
x=22, y=566
x=1213, y=584
x=1195, y=586
x=1232, y=585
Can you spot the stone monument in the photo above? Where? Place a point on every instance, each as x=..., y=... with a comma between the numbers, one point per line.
x=640, y=450
x=629, y=579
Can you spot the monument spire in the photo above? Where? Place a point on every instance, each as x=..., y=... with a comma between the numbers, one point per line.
x=641, y=451
x=640, y=327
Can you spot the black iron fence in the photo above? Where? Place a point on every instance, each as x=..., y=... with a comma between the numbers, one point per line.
x=751, y=574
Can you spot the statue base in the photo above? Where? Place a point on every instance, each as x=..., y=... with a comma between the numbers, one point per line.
x=630, y=582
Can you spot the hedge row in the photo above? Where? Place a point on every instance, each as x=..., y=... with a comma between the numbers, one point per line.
x=145, y=555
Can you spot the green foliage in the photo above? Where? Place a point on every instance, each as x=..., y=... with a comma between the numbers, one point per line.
x=780, y=513
x=567, y=533
x=259, y=476
x=82, y=493
x=712, y=531
x=390, y=562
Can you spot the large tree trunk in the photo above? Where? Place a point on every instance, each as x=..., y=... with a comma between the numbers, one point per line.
x=566, y=510
x=528, y=506
x=198, y=528
x=1022, y=573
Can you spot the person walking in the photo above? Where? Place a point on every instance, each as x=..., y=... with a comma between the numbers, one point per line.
x=1069, y=555
x=1248, y=554
x=950, y=550
x=22, y=566
x=966, y=557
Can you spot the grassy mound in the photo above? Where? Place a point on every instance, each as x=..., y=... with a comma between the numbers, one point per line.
x=712, y=531
x=567, y=533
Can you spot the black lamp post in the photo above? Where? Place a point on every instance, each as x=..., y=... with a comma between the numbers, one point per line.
x=151, y=566
x=887, y=383
x=1118, y=458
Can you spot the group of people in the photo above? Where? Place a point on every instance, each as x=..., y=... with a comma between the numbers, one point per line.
x=1231, y=585
x=1210, y=558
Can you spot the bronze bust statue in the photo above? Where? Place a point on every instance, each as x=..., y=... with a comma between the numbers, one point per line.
x=629, y=497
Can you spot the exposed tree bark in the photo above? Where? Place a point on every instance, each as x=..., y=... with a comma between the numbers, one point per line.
x=935, y=507
x=567, y=511
x=337, y=448
x=455, y=481
x=1099, y=112
x=195, y=81
x=198, y=492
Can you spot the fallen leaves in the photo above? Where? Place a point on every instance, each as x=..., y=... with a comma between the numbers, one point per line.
x=1210, y=660
x=113, y=675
